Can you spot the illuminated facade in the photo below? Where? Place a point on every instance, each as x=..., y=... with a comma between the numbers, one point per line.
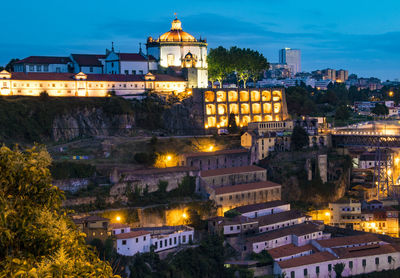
x=176, y=48
x=248, y=105
x=87, y=85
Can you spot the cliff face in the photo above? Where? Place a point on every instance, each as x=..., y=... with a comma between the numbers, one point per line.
x=93, y=121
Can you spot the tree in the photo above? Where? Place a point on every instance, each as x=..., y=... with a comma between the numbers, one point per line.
x=380, y=110
x=10, y=66
x=37, y=238
x=219, y=68
x=342, y=113
x=299, y=138
x=338, y=268
x=232, y=126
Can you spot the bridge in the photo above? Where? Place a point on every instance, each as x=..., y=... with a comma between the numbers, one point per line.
x=379, y=134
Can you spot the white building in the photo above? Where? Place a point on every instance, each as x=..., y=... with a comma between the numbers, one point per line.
x=179, y=49
x=291, y=57
x=43, y=64
x=119, y=228
x=161, y=238
x=129, y=63
x=88, y=63
x=262, y=209
x=360, y=255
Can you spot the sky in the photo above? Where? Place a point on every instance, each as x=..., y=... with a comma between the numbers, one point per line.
x=360, y=36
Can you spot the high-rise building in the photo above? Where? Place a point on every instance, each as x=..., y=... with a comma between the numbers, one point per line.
x=291, y=57
x=329, y=74
x=342, y=75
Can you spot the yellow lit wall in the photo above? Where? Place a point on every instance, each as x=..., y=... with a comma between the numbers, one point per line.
x=232, y=96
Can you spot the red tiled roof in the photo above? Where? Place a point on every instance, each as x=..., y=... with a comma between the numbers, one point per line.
x=289, y=250
x=348, y=240
x=132, y=234
x=44, y=60
x=279, y=217
x=260, y=206
x=228, y=171
x=167, y=78
x=245, y=187
x=306, y=260
x=238, y=220
x=88, y=59
x=222, y=152
x=134, y=57
x=298, y=230
x=366, y=250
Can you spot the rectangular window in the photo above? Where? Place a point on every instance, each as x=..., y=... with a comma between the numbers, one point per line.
x=38, y=68
x=351, y=264
x=377, y=260
x=174, y=240
x=305, y=272
x=140, y=72
x=292, y=275
x=170, y=241
x=137, y=240
x=329, y=267
x=317, y=270
x=124, y=242
x=91, y=69
x=155, y=244
x=134, y=72
x=160, y=243
x=183, y=239
x=390, y=259
x=46, y=68
x=31, y=68
x=126, y=71
x=364, y=262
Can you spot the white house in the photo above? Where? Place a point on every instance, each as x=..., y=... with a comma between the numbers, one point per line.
x=261, y=209
x=129, y=63
x=280, y=220
x=88, y=63
x=119, y=228
x=43, y=64
x=161, y=238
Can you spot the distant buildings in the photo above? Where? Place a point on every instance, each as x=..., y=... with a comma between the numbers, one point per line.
x=291, y=57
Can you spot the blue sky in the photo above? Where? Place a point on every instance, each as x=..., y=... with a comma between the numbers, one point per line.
x=361, y=36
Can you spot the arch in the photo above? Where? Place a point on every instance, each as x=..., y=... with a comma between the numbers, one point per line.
x=211, y=121
x=257, y=118
x=244, y=96
x=222, y=110
x=267, y=108
x=277, y=107
x=276, y=95
x=232, y=96
x=266, y=96
x=234, y=108
x=268, y=118
x=223, y=121
x=256, y=108
x=221, y=96
x=255, y=95
x=277, y=118
x=209, y=96
x=244, y=108
x=210, y=109
x=245, y=120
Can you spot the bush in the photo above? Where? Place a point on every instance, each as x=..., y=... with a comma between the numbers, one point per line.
x=68, y=170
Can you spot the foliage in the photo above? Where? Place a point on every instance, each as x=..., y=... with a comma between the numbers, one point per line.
x=338, y=268
x=231, y=213
x=380, y=110
x=342, y=113
x=69, y=170
x=299, y=138
x=232, y=126
x=10, y=65
x=263, y=257
x=37, y=239
x=219, y=64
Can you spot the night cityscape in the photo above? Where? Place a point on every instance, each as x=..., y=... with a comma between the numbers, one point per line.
x=216, y=139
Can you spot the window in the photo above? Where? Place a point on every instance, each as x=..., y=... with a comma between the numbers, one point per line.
x=31, y=68
x=155, y=244
x=46, y=68
x=351, y=264
x=170, y=59
x=364, y=262
x=160, y=243
x=91, y=69
x=170, y=241
x=292, y=275
x=329, y=267
x=126, y=71
x=317, y=269
x=38, y=68
x=376, y=260
x=144, y=238
x=231, y=228
x=137, y=240
x=305, y=272
x=183, y=238
x=124, y=242
x=58, y=69
x=140, y=72
x=134, y=72
x=390, y=259
x=174, y=240
x=122, y=231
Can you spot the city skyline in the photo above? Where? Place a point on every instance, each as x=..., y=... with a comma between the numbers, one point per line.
x=364, y=41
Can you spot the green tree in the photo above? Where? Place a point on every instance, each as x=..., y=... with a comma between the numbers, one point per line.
x=219, y=64
x=342, y=113
x=338, y=268
x=299, y=138
x=380, y=110
x=37, y=238
x=10, y=66
x=232, y=126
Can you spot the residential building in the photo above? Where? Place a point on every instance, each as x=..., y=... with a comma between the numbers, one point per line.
x=329, y=74
x=262, y=209
x=129, y=63
x=119, y=228
x=93, y=226
x=342, y=75
x=141, y=240
x=88, y=63
x=233, y=226
x=43, y=64
x=228, y=197
x=345, y=213
x=291, y=57
x=359, y=254
x=215, y=160
x=248, y=105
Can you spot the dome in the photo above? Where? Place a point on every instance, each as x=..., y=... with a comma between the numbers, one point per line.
x=176, y=34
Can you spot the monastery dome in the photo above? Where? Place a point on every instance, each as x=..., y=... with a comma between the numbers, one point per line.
x=176, y=34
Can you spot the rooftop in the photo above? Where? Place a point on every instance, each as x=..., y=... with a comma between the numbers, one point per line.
x=306, y=260
x=260, y=206
x=245, y=187
x=118, y=226
x=289, y=250
x=298, y=230
x=348, y=240
x=134, y=57
x=44, y=60
x=228, y=171
x=279, y=217
x=88, y=59
x=366, y=250
x=155, y=171
x=221, y=152
x=132, y=234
